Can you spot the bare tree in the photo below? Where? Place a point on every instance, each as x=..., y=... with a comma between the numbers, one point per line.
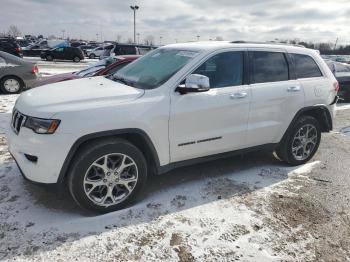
x=50, y=37
x=119, y=38
x=13, y=31
x=149, y=40
x=130, y=41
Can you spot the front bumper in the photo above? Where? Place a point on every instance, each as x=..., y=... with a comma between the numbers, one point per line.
x=50, y=150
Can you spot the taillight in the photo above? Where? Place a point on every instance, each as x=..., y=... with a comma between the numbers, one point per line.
x=336, y=86
x=18, y=50
x=35, y=69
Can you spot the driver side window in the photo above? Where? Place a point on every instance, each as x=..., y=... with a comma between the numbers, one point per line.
x=223, y=70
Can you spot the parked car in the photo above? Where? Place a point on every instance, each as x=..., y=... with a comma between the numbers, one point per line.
x=96, y=52
x=126, y=49
x=106, y=66
x=10, y=45
x=63, y=53
x=33, y=50
x=178, y=105
x=16, y=74
x=87, y=48
x=341, y=72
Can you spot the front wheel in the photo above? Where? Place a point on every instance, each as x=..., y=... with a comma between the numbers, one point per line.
x=301, y=142
x=107, y=175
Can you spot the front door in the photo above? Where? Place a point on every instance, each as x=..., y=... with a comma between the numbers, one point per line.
x=215, y=121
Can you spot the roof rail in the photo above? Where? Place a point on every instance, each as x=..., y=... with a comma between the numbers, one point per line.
x=262, y=43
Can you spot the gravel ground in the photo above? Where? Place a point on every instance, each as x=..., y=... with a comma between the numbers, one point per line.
x=248, y=208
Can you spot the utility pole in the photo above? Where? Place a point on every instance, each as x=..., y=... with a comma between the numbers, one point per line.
x=134, y=8
x=336, y=42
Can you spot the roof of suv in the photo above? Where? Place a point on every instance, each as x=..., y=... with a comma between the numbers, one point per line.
x=216, y=45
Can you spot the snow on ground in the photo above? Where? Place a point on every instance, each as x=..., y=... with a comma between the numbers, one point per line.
x=214, y=211
x=343, y=106
x=47, y=68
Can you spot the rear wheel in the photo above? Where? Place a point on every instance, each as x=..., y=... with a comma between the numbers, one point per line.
x=92, y=56
x=76, y=59
x=301, y=142
x=107, y=175
x=11, y=85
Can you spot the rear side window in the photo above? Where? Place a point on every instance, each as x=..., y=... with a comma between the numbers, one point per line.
x=269, y=67
x=305, y=66
x=117, y=68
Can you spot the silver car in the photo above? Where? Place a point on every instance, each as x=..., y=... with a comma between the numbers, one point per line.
x=16, y=74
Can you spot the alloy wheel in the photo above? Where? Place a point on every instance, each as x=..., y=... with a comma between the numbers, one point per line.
x=304, y=142
x=110, y=179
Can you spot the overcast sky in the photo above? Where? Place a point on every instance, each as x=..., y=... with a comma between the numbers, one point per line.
x=182, y=20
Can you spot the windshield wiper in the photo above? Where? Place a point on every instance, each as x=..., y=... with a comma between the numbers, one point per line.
x=122, y=80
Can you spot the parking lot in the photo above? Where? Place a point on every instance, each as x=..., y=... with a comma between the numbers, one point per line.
x=250, y=207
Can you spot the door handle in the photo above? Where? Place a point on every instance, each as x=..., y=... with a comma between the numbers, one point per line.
x=238, y=95
x=293, y=89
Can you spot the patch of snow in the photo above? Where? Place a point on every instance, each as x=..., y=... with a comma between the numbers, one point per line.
x=342, y=106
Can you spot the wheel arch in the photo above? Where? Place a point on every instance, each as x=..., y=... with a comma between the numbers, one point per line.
x=320, y=112
x=135, y=136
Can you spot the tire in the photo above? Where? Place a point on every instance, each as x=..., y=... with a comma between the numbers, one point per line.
x=95, y=186
x=301, y=140
x=49, y=58
x=76, y=59
x=92, y=56
x=11, y=85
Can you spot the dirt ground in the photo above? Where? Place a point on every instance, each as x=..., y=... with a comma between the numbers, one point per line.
x=247, y=208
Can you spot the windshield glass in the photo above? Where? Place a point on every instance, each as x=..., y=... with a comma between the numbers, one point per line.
x=89, y=71
x=155, y=68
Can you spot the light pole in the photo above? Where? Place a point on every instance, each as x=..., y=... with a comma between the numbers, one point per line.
x=160, y=40
x=138, y=38
x=134, y=8
x=198, y=36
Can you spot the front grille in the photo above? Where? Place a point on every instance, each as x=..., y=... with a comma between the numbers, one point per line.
x=18, y=120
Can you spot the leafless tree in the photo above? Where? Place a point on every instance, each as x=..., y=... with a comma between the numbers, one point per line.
x=149, y=40
x=130, y=41
x=119, y=38
x=13, y=31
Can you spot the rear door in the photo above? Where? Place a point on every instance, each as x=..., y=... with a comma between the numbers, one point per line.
x=276, y=96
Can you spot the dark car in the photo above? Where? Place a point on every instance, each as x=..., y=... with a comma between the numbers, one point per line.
x=10, y=45
x=341, y=72
x=106, y=66
x=63, y=53
x=32, y=50
x=16, y=73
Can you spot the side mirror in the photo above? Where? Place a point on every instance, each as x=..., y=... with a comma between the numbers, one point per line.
x=194, y=83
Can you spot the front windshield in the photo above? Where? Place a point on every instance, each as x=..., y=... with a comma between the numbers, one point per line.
x=89, y=71
x=155, y=68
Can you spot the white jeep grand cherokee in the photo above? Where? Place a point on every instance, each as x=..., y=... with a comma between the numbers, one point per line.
x=178, y=105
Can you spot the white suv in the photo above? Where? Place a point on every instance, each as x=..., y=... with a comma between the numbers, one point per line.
x=178, y=105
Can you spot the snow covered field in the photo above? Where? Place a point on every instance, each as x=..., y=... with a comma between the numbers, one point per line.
x=247, y=208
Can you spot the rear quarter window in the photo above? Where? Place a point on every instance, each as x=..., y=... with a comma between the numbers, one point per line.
x=305, y=66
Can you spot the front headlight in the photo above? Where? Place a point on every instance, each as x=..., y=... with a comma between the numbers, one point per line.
x=42, y=126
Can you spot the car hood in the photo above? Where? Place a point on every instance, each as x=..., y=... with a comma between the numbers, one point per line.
x=56, y=78
x=75, y=95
